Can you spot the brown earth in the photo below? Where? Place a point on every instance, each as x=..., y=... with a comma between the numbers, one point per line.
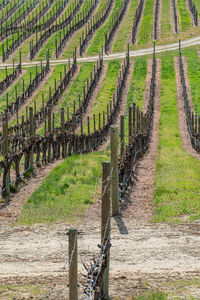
x=181, y=112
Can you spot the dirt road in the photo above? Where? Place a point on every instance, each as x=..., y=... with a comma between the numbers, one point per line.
x=141, y=52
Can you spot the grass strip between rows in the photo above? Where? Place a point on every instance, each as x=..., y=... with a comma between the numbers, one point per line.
x=177, y=178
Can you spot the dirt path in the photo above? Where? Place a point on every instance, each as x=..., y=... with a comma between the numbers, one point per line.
x=181, y=112
x=140, y=200
x=140, y=52
x=144, y=256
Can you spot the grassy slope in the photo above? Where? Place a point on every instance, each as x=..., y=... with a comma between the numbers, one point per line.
x=66, y=191
x=147, y=23
x=184, y=17
x=177, y=178
x=197, y=5
x=19, y=85
x=72, y=93
x=125, y=29
x=65, y=197
x=105, y=94
x=137, y=88
x=165, y=28
x=99, y=37
x=193, y=73
x=76, y=38
x=51, y=41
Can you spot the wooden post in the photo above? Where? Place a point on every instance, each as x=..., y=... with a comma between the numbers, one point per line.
x=31, y=134
x=94, y=122
x=114, y=170
x=130, y=123
x=122, y=134
x=73, y=123
x=73, y=265
x=88, y=123
x=62, y=120
x=133, y=118
x=105, y=221
x=6, y=191
x=49, y=132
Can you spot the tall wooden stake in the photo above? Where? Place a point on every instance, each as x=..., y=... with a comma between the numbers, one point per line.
x=105, y=221
x=73, y=265
x=114, y=170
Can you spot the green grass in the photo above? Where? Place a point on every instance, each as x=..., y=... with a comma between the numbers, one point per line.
x=51, y=41
x=99, y=38
x=197, y=5
x=152, y=296
x=177, y=178
x=72, y=94
x=76, y=38
x=184, y=17
x=13, y=291
x=193, y=62
x=137, y=88
x=106, y=92
x=3, y=73
x=66, y=192
x=138, y=83
x=19, y=85
x=125, y=29
x=145, y=32
x=165, y=26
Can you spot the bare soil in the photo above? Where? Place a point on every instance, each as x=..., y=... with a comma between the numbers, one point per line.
x=140, y=200
x=186, y=142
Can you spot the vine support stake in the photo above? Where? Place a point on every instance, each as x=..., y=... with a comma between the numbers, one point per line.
x=114, y=168
x=6, y=186
x=31, y=134
x=105, y=220
x=73, y=265
x=122, y=134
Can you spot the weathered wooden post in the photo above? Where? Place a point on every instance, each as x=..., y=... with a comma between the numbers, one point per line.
x=105, y=221
x=49, y=133
x=114, y=170
x=73, y=265
x=122, y=134
x=130, y=123
x=6, y=188
x=31, y=134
